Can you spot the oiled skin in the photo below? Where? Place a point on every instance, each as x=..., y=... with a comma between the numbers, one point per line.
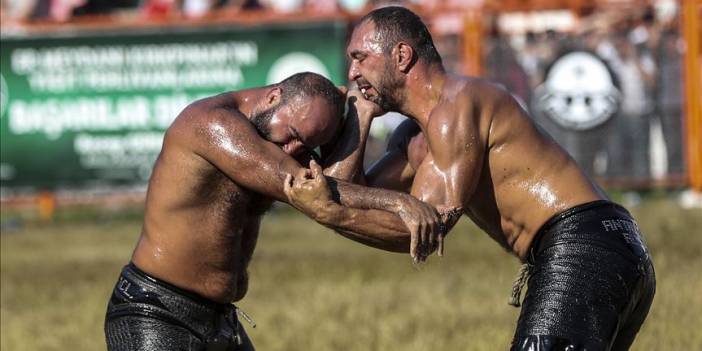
x=200, y=227
x=468, y=144
x=481, y=151
x=216, y=176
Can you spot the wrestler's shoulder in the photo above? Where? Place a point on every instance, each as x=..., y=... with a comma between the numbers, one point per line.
x=209, y=111
x=470, y=98
x=204, y=120
x=467, y=107
x=478, y=90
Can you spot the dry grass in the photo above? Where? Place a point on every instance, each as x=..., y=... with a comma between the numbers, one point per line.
x=313, y=290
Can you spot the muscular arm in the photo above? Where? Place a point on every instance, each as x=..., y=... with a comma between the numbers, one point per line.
x=441, y=168
x=345, y=161
x=312, y=190
x=392, y=171
x=374, y=228
x=452, y=169
x=229, y=142
x=379, y=229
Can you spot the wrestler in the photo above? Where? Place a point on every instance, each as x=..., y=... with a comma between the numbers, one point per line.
x=223, y=162
x=469, y=144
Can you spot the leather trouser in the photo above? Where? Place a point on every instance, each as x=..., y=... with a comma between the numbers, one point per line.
x=591, y=285
x=147, y=314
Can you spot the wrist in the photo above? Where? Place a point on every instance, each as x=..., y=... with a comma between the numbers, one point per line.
x=329, y=214
x=399, y=203
x=366, y=116
x=364, y=122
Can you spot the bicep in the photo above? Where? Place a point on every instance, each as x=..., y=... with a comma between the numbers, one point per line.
x=450, y=175
x=229, y=142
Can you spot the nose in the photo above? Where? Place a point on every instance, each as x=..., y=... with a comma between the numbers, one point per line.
x=354, y=73
x=293, y=147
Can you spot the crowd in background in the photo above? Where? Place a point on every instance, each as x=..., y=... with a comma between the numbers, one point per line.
x=65, y=10
x=643, y=50
x=642, y=47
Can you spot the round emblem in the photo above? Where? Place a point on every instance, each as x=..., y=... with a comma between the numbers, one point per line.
x=579, y=92
x=295, y=62
x=3, y=95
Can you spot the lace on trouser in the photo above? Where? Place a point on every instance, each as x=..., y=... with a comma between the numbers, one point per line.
x=518, y=285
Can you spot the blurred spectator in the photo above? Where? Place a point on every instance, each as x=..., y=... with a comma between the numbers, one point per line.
x=669, y=96
x=56, y=10
x=159, y=8
x=239, y=4
x=533, y=59
x=64, y=10
x=284, y=6
x=431, y=5
x=353, y=5
x=629, y=145
x=103, y=7
x=196, y=8
x=17, y=9
x=502, y=67
x=321, y=6
x=641, y=33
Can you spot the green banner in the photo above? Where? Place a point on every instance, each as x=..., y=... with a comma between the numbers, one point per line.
x=91, y=109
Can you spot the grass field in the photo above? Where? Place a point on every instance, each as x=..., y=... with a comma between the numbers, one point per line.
x=313, y=290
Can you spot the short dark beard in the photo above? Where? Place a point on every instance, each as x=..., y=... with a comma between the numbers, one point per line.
x=389, y=88
x=262, y=122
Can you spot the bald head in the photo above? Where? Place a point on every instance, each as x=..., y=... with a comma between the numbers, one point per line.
x=311, y=85
x=307, y=113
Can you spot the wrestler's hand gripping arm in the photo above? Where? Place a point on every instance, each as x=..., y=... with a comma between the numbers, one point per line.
x=449, y=176
x=450, y=172
x=345, y=162
x=228, y=141
x=310, y=191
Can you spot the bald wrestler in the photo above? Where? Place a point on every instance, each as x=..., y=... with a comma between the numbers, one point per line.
x=223, y=162
x=468, y=144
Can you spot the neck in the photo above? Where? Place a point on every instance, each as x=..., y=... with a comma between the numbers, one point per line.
x=423, y=88
x=247, y=101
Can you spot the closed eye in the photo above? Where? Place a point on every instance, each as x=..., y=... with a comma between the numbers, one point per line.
x=357, y=55
x=296, y=135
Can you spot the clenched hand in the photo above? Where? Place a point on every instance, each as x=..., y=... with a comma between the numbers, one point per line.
x=308, y=190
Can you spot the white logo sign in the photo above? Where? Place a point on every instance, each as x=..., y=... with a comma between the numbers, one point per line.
x=3, y=95
x=579, y=91
x=295, y=62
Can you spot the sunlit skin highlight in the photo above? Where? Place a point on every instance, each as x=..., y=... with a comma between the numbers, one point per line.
x=224, y=160
x=200, y=227
x=468, y=144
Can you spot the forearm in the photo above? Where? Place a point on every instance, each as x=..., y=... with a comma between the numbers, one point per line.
x=377, y=217
x=375, y=228
x=363, y=197
x=367, y=215
x=346, y=159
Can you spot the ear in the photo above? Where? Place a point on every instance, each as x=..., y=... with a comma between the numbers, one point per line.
x=274, y=96
x=404, y=56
